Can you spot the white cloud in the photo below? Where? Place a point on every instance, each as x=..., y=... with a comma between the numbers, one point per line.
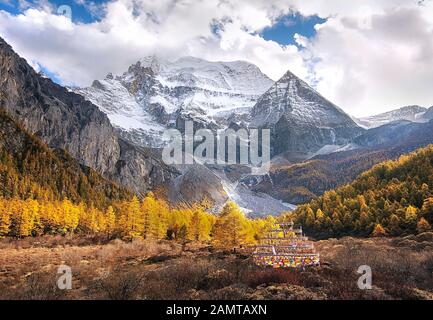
x=377, y=66
x=132, y=29
x=368, y=57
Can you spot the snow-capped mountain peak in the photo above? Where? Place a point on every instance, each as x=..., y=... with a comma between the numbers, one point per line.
x=301, y=120
x=156, y=93
x=409, y=113
x=293, y=97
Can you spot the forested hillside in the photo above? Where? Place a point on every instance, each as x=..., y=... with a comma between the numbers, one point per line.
x=393, y=198
x=45, y=191
x=29, y=169
x=302, y=182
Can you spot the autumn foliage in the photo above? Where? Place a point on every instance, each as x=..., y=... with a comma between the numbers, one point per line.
x=393, y=198
x=149, y=218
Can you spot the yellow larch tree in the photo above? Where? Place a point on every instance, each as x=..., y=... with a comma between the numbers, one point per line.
x=69, y=216
x=378, y=231
x=200, y=225
x=111, y=221
x=134, y=226
x=423, y=226
x=5, y=220
x=25, y=221
x=231, y=227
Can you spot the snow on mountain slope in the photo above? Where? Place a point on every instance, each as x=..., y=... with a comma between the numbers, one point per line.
x=255, y=204
x=429, y=114
x=328, y=149
x=300, y=119
x=292, y=97
x=410, y=113
x=155, y=94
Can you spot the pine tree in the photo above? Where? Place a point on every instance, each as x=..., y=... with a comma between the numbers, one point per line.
x=378, y=231
x=196, y=225
x=394, y=225
x=5, y=220
x=320, y=215
x=427, y=209
x=411, y=213
x=423, y=226
x=231, y=228
x=111, y=221
x=310, y=218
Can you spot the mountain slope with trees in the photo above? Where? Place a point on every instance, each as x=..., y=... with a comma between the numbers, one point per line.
x=46, y=191
x=301, y=182
x=65, y=120
x=393, y=198
x=29, y=169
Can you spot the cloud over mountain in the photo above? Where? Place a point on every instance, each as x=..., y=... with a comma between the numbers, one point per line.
x=367, y=57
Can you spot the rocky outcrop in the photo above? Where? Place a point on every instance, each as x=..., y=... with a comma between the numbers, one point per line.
x=196, y=184
x=29, y=167
x=63, y=119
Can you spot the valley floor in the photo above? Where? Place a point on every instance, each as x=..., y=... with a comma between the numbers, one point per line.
x=402, y=268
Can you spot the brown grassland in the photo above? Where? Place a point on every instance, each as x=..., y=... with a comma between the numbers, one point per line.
x=402, y=268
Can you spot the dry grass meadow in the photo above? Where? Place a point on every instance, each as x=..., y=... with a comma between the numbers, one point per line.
x=402, y=268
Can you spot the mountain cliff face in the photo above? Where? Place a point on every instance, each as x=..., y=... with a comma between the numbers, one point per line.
x=155, y=94
x=65, y=120
x=28, y=168
x=62, y=119
x=300, y=119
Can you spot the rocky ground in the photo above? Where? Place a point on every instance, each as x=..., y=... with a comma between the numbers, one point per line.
x=402, y=268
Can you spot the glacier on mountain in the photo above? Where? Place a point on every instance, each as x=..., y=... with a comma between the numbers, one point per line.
x=155, y=94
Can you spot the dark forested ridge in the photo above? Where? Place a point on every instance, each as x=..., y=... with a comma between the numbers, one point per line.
x=300, y=183
x=393, y=198
x=29, y=169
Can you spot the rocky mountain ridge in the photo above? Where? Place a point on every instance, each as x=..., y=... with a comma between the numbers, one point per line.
x=408, y=113
x=65, y=120
x=301, y=120
x=155, y=94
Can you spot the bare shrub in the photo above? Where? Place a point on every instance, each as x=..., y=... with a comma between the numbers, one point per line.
x=232, y=292
x=119, y=285
x=176, y=279
x=269, y=276
x=39, y=286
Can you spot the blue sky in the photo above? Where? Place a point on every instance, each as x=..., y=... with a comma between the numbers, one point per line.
x=287, y=26
x=82, y=10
